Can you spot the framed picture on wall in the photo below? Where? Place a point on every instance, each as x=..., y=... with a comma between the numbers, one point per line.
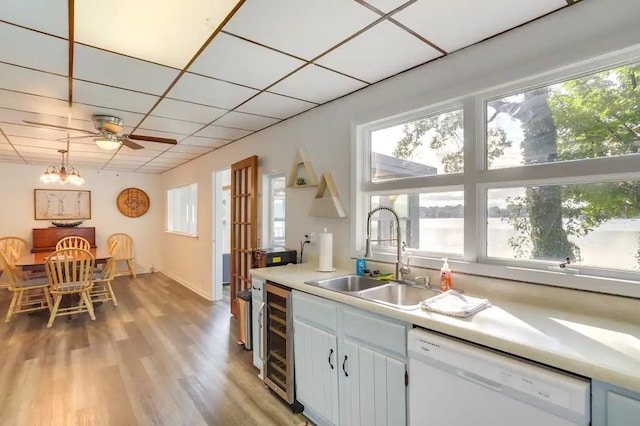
x=62, y=204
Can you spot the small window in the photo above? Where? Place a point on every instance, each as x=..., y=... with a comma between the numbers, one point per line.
x=426, y=147
x=274, y=188
x=430, y=222
x=182, y=210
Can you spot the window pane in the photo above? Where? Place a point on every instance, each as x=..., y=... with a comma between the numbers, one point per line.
x=595, y=224
x=182, y=209
x=277, y=221
x=425, y=147
x=431, y=222
x=589, y=117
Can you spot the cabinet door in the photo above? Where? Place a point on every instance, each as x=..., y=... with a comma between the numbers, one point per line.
x=372, y=386
x=257, y=313
x=316, y=370
x=614, y=406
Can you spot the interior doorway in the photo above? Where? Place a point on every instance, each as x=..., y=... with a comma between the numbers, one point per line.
x=221, y=242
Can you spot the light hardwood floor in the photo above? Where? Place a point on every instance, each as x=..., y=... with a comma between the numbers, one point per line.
x=164, y=356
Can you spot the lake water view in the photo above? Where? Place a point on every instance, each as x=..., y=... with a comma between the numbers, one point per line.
x=614, y=244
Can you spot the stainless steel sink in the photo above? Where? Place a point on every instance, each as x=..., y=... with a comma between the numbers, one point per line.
x=348, y=283
x=398, y=295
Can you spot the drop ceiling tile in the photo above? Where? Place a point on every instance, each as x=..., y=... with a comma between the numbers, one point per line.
x=164, y=125
x=207, y=91
x=204, y=142
x=152, y=170
x=241, y=120
x=317, y=84
x=145, y=154
x=148, y=147
x=164, y=32
x=187, y=111
x=239, y=61
x=126, y=160
x=435, y=19
x=48, y=16
x=386, y=6
x=33, y=82
x=276, y=106
x=29, y=131
x=184, y=156
x=10, y=157
x=120, y=168
x=110, y=97
x=218, y=132
x=18, y=141
x=302, y=28
x=380, y=52
x=32, y=103
x=34, y=50
x=14, y=116
x=112, y=69
x=190, y=149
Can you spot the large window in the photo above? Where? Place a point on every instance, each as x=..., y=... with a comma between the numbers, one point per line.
x=182, y=210
x=539, y=178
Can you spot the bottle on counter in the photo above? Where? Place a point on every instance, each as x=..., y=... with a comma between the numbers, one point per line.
x=361, y=264
x=445, y=276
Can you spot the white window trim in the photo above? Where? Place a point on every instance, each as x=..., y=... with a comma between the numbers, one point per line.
x=475, y=181
x=267, y=209
x=195, y=212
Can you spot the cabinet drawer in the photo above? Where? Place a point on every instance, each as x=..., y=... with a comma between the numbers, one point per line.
x=374, y=331
x=315, y=310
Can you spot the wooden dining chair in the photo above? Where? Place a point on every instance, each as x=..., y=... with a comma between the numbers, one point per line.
x=102, y=290
x=19, y=245
x=73, y=242
x=124, y=251
x=28, y=294
x=70, y=271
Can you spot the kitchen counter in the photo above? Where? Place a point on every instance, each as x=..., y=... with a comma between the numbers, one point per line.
x=540, y=328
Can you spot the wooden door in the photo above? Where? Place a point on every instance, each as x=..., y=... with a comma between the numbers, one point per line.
x=244, y=183
x=373, y=387
x=316, y=370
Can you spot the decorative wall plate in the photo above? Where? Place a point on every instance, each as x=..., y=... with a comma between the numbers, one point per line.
x=133, y=202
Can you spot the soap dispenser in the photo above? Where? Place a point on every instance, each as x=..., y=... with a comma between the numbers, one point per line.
x=445, y=276
x=361, y=263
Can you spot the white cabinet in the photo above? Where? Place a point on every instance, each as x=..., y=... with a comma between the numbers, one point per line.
x=614, y=406
x=257, y=312
x=350, y=364
x=373, y=385
x=316, y=360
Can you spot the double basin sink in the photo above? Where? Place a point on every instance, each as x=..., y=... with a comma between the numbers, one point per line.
x=392, y=293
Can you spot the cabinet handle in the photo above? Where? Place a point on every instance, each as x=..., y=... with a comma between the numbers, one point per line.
x=344, y=366
x=330, y=355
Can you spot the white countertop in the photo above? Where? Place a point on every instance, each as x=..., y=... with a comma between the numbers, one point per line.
x=598, y=347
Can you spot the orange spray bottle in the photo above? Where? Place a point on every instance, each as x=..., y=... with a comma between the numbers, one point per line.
x=445, y=276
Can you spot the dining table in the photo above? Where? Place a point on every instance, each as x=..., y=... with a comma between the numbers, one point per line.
x=36, y=261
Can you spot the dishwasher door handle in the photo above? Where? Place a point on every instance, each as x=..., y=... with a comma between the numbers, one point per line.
x=479, y=380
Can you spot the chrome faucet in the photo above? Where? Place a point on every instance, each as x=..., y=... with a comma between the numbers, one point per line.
x=400, y=268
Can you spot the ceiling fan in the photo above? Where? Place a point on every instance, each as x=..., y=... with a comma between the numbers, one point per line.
x=107, y=135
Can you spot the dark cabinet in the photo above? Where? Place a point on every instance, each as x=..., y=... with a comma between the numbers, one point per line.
x=45, y=239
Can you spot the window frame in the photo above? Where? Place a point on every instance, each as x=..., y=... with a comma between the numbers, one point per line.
x=477, y=178
x=192, y=209
x=268, y=210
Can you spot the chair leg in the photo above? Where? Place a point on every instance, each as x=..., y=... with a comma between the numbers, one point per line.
x=113, y=295
x=54, y=311
x=132, y=269
x=47, y=296
x=87, y=300
x=12, y=306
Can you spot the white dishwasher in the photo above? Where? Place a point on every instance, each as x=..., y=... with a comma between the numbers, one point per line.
x=453, y=383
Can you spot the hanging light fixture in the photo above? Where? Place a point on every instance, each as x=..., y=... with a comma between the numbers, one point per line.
x=62, y=175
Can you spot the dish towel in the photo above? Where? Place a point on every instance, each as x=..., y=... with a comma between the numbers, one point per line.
x=455, y=304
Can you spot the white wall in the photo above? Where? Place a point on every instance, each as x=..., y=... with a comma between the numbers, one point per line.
x=588, y=29
x=17, y=209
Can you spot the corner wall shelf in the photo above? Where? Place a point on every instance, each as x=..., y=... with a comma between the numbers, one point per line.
x=330, y=206
x=302, y=160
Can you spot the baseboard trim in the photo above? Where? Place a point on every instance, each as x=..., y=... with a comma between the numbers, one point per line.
x=188, y=286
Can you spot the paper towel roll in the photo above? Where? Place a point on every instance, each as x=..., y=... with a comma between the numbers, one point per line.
x=325, y=248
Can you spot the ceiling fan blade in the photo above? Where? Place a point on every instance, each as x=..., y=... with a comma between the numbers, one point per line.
x=79, y=137
x=130, y=144
x=152, y=139
x=55, y=126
